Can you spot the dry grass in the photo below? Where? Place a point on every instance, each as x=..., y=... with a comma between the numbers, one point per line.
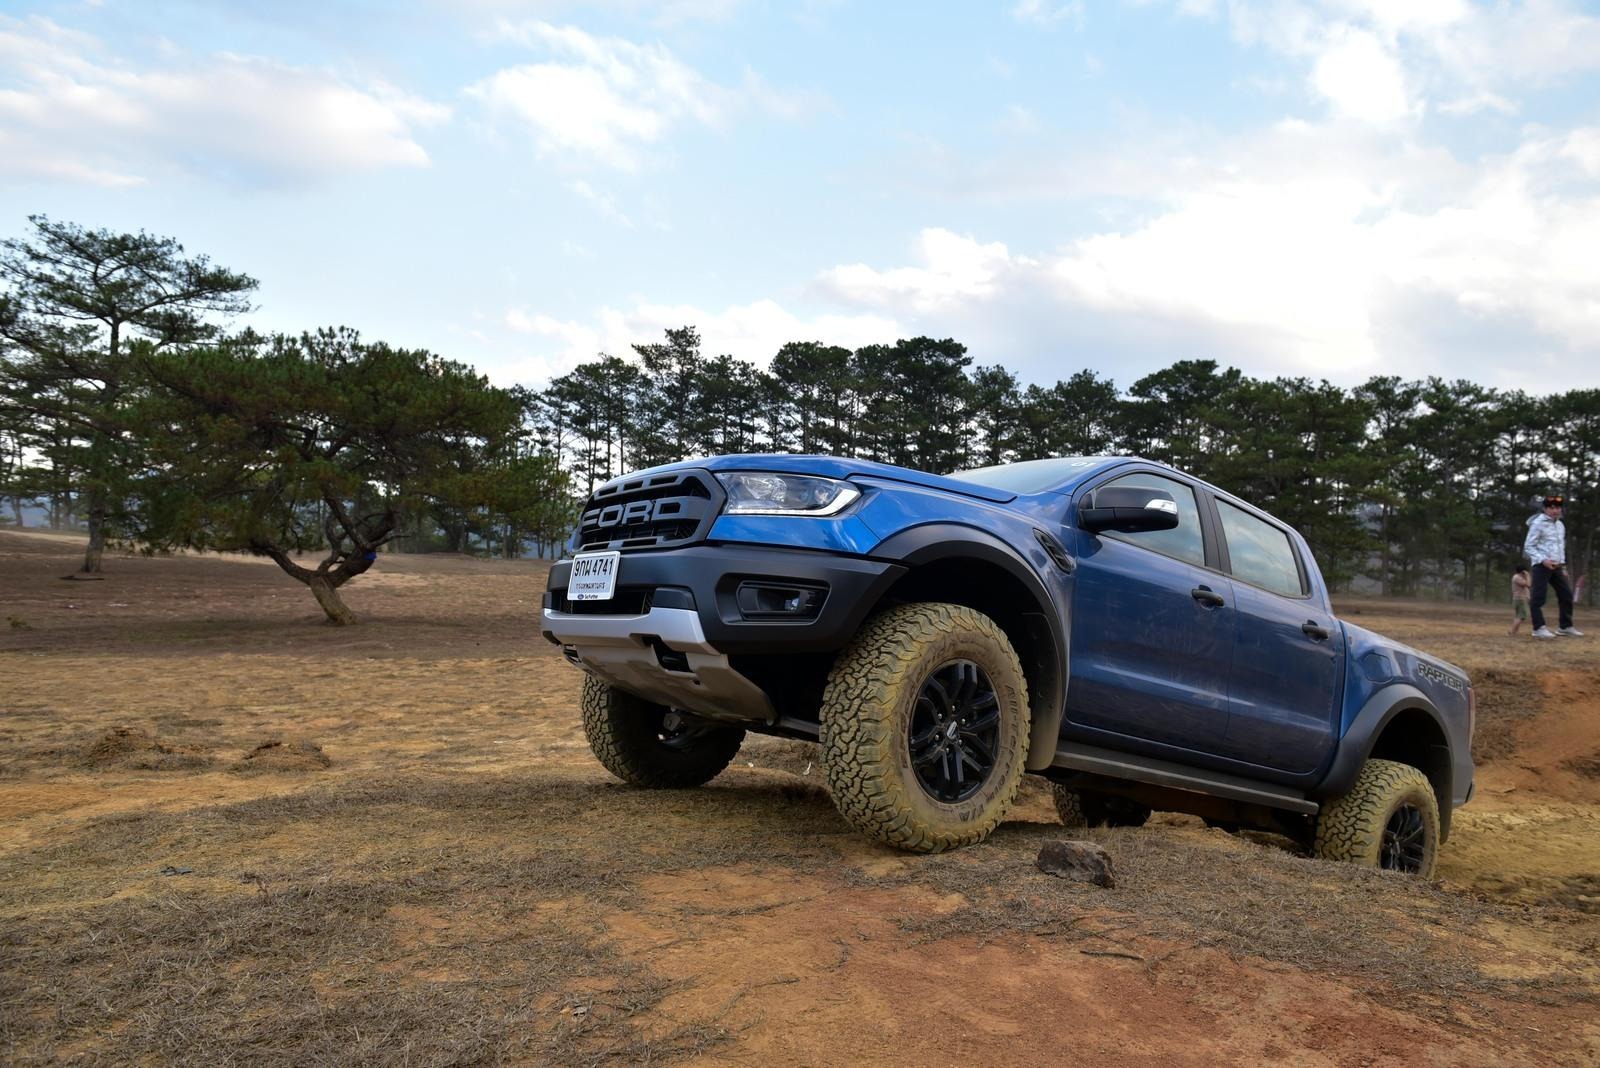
x=311, y=972
x=1205, y=889
x=425, y=947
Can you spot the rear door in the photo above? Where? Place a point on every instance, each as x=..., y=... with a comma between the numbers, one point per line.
x=1285, y=681
x=1152, y=629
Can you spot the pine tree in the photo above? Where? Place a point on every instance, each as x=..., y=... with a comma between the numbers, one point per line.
x=76, y=301
x=282, y=445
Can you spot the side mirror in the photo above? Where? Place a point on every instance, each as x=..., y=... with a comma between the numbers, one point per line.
x=1129, y=509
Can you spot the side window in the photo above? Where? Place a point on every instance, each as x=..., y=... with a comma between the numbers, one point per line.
x=1260, y=552
x=1183, y=541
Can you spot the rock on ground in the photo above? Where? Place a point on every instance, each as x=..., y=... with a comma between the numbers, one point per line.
x=1083, y=862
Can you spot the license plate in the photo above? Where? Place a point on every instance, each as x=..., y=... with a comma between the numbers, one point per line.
x=594, y=576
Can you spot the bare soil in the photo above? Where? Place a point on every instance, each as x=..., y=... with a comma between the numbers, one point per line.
x=233, y=834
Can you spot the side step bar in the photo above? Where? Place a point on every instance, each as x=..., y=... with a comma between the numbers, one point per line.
x=1115, y=765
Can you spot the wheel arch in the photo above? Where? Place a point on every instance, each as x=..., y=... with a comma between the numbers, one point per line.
x=1397, y=723
x=963, y=565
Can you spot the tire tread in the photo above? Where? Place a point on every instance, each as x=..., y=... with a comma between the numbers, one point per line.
x=859, y=730
x=612, y=720
x=1350, y=827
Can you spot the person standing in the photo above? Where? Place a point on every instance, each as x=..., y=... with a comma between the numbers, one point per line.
x=1519, y=598
x=1546, y=548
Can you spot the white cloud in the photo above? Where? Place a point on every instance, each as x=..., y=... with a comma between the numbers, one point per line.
x=752, y=332
x=1361, y=78
x=1379, y=60
x=1277, y=265
x=1583, y=148
x=791, y=105
x=1306, y=254
x=1050, y=12
x=954, y=269
x=1480, y=101
x=1020, y=121
x=665, y=13
x=70, y=111
x=604, y=203
x=600, y=98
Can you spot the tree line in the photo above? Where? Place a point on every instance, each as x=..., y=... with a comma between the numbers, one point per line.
x=128, y=406
x=1423, y=487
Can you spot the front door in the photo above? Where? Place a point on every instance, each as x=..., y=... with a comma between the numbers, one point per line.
x=1152, y=631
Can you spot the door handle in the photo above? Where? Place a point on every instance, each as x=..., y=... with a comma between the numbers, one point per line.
x=1207, y=597
x=1313, y=631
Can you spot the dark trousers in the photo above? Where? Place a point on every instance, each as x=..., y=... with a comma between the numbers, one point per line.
x=1556, y=580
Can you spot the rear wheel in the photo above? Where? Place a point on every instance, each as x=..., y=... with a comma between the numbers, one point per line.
x=1389, y=819
x=1086, y=808
x=924, y=727
x=647, y=744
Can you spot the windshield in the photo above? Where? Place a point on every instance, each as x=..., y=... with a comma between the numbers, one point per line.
x=1031, y=476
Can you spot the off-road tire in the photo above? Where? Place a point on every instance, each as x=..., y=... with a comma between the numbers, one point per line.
x=626, y=734
x=868, y=707
x=1085, y=808
x=1351, y=827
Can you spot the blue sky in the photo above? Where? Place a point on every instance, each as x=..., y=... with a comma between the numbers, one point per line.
x=1333, y=189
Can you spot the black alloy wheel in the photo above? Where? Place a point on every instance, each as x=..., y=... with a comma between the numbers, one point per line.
x=1405, y=841
x=954, y=731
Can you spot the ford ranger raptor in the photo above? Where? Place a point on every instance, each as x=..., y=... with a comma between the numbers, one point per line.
x=1141, y=638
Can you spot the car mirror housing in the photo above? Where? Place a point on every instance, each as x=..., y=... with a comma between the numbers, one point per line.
x=1128, y=509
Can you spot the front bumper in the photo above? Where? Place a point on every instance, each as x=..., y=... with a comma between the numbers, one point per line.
x=662, y=656
x=676, y=622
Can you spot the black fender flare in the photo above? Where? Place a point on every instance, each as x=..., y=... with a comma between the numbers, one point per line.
x=1376, y=714
x=934, y=542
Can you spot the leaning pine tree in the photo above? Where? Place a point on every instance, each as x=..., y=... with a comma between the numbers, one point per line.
x=277, y=446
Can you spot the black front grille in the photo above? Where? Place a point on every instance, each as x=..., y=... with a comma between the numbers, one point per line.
x=650, y=511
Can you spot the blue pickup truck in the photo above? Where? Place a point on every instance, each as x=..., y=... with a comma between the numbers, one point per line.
x=1142, y=639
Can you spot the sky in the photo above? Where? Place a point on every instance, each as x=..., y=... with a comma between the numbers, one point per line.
x=1332, y=189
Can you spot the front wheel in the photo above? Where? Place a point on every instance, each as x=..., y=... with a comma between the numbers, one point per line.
x=924, y=727
x=1389, y=819
x=647, y=744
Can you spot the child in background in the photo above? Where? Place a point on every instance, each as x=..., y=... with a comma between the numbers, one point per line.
x=1519, y=598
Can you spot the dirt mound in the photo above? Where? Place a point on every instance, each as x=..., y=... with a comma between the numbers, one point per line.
x=137, y=748
x=1555, y=753
x=281, y=755
x=1507, y=699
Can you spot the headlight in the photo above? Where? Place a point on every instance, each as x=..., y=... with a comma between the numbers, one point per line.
x=762, y=493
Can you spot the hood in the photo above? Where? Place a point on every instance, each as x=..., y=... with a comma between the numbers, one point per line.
x=832, y=467
x=843, y=467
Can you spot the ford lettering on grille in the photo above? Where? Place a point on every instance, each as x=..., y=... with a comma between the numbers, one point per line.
x=653, y=512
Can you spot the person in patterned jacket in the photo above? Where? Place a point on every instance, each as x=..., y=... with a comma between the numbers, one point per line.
x=1546, y=549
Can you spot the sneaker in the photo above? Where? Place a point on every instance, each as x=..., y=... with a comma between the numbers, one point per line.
x=1543, y=632
x=1571, y=632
